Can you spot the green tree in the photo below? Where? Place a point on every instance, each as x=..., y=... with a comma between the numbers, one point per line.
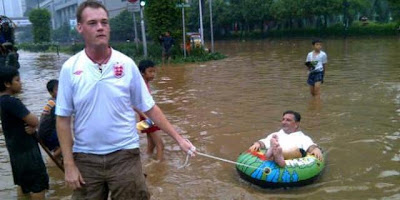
x=322, y=9
x=162, y=16
x=122, y=26
x=285, y=11
x=394, y=6
x=252, y=12
x=40, y=19
x=61, y=34
x=222, y=16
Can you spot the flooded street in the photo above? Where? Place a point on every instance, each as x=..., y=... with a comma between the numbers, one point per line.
x=224, y=106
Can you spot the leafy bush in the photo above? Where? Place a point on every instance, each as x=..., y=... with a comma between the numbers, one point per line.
x=337, y=30
x=37, y=47
x=40, y=19
x=154, y=51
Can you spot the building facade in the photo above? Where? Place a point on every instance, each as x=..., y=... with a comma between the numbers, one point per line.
x=64, y=11
x=12, y=8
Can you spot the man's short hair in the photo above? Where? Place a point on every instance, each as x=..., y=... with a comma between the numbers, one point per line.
x=51, y=85
x=91, y=4
x=144, y=64
x=314, y=41
x=6, y=76
x=297, y=116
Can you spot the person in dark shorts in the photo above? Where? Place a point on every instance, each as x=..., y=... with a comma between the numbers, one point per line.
x=316, y=64
x=166, y=42
x=19, y=127
x=47, y=128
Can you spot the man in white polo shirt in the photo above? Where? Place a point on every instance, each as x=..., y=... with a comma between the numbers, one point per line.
x=99, y=86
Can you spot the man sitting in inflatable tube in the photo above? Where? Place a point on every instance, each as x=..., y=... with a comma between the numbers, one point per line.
x=289, y=142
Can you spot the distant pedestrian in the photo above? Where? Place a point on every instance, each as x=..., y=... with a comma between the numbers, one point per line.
x=7, y=32
x=167, y=42
x=316, y=63
x=12, y=57
x=3, y=55
x=19, y=127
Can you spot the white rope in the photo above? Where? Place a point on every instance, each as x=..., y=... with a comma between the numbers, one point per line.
x=216, y=158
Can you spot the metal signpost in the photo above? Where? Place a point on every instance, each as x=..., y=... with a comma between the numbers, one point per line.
x=211, y=27
x=201, y=24
x=142, y=4
x=135, y=7
x=183, y=6
x=143, y=32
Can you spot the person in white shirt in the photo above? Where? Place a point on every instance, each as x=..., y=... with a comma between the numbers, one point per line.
x=316, y=63
x=289, y=142
x=99, y=86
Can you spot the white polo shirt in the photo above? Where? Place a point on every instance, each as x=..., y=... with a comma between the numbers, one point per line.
x=322, y=59
x=287, y=141
x=102, y=102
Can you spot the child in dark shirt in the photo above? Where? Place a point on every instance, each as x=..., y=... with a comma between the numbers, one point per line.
x=47, y=127
x=19, y=127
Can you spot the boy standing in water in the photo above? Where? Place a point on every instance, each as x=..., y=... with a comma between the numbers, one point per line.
x=154, y=140
x=47, y=128
x=19, y=127
x=316, y=63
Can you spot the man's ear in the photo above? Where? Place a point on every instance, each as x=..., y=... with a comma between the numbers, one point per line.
x=79, y=28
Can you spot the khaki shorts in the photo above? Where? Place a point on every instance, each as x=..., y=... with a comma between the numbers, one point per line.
x=119, y=173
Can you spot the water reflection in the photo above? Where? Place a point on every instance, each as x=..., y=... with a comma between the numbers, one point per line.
x=224, y=106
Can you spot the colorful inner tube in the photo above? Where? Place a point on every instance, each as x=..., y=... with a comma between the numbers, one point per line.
x=256, y=169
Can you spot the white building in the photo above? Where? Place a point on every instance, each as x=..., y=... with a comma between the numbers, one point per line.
x=12, y=8
x=64, y=11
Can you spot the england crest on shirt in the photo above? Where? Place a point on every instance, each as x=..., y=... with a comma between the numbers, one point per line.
x=118, y=70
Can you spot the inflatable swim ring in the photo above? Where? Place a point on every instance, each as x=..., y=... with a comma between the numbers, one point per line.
x=256, y=169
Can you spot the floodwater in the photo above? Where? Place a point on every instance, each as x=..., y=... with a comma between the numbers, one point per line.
x=224, y=106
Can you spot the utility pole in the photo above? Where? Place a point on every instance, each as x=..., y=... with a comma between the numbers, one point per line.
x=182, y=6
x=142, y=4
x=136, y=6
x=183, y=35
x=201, y=24
x=135, y=29
x=211, y=27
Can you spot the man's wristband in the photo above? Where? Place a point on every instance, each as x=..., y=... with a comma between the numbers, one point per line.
x=312, y=147
x=261, y=144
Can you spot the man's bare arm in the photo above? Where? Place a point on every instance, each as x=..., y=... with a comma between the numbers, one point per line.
x=73, y=177
x=158, y=117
